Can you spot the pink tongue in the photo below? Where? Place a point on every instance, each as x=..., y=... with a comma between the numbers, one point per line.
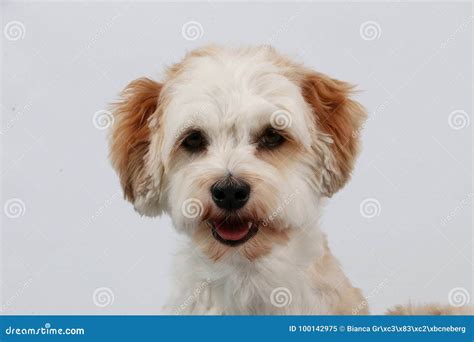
x=232, y=232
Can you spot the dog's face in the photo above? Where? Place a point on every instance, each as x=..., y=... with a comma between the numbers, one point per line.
x=237, y=146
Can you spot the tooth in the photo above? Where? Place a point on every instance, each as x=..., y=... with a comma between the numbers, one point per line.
x=250, y=225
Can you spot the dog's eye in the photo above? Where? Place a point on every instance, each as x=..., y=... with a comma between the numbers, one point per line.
x=271, y=138
x=194, y=142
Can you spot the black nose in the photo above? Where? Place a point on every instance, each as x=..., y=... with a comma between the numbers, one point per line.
x=230, y=194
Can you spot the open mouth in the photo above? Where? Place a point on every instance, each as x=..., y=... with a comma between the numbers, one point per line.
x=233, y=233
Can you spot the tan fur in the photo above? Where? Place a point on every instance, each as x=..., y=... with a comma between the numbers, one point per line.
x=283, y=156
x=337, y=116
x=204, y=240
x=261, y=244
x=328, y=278
x=130, y=137
x=337, y=120
x=335, y=113
x=430, y=309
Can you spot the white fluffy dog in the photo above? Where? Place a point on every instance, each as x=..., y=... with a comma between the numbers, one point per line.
x=240, y=147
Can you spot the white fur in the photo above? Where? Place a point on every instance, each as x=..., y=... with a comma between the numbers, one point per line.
x=241, y=287
x=231, y=95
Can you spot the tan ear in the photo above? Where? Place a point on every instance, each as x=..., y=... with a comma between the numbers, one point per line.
x=130, y=135
x=339, y=118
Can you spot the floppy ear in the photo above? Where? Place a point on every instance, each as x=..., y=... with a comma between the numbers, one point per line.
x=130, y=144
x=339, y=119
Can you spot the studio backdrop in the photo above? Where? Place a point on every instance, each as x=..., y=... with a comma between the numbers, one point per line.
x=70, y=243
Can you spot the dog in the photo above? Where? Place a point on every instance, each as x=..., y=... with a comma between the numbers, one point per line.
x=241, y=147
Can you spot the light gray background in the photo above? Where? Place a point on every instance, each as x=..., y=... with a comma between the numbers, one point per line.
x=76, y=234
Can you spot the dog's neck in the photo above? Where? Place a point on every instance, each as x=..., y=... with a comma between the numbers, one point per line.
x=239, y=286
x=297, y=254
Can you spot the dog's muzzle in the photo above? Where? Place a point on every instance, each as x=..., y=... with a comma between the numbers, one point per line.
x=233, y=233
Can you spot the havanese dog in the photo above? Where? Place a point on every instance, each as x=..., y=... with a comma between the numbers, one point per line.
x=241, y=147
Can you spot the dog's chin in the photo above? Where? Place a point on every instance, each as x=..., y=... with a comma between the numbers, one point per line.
x=233, y=232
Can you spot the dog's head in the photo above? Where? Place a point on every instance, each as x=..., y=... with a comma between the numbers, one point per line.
x=238, y=146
